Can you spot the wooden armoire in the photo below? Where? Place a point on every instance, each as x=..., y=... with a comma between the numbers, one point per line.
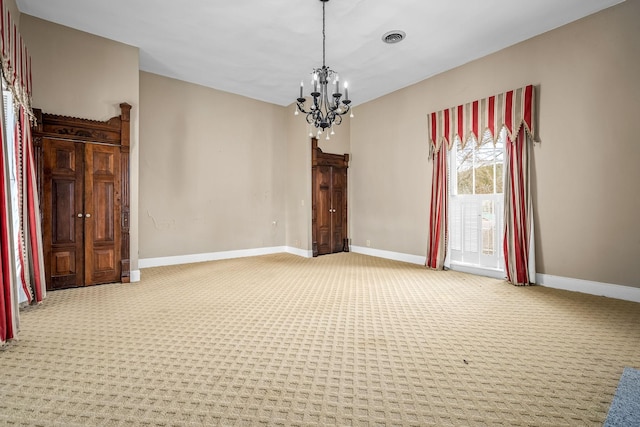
x=329, y=201
x=83, y=183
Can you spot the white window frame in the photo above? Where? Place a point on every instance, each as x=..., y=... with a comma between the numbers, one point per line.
x=482, y=264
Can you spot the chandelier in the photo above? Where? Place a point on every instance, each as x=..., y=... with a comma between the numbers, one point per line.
x=327, y=107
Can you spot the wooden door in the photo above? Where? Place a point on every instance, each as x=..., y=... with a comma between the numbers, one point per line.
x=329, y=201
x=324, y=215
x=101, y=214
x=81, y=208
x=338, y=208
x=63, y=213
x=82, y=173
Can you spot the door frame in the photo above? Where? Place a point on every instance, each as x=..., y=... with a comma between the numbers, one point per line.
x=319, y=158
x=115, y=132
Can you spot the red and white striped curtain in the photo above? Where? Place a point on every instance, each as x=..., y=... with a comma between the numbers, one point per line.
x=513, y=110
x=25, y=271
x=519, y=250
x=437, y=248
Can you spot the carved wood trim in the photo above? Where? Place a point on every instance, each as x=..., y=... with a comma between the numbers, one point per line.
x=77, y=129
x=319, y=158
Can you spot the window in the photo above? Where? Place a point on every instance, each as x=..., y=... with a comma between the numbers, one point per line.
x=476, y=177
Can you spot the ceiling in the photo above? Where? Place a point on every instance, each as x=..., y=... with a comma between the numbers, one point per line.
x=263, y=49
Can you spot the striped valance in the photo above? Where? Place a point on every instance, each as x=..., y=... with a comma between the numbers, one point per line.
x=16, y=62
x=511, y=109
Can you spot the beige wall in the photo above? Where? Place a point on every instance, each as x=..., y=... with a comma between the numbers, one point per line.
x=298, y=197
x=81, y=75
x=217, y=169
x=212, y=170
x=585, y=168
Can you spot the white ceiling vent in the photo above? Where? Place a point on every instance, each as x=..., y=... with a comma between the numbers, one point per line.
x=394, y=36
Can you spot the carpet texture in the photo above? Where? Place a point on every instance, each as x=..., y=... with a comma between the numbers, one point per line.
x=343, y=339
x=625, y=408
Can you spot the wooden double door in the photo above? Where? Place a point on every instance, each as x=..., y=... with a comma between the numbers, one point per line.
x=83, y=180
x=329, y=194
x=81, y=205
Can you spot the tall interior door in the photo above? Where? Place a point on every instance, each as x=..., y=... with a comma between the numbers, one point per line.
x=338, y=208
x=329, y=201
x=323, y=210
x=81, y=208
x=331, y=209
x=102, y=214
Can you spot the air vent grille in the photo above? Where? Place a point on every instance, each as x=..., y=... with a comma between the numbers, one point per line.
x=392, y=37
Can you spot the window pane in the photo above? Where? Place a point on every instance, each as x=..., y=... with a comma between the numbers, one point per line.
x=488, y=227
x=484, y=172
x=455, y=234
x=499, y=178
x=465, y=169
x=471, y=213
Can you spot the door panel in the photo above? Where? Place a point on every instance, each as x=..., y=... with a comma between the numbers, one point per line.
x=323, y=210
x=102, y=208
x=62, y=202
x=64, y=209
x=338, y=185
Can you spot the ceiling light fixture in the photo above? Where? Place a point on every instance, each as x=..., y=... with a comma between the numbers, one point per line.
x=327, y=108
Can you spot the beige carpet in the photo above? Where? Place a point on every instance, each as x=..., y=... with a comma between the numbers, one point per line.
x=344, y=339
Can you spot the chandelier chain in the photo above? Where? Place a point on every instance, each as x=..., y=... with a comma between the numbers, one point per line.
x=323, y=36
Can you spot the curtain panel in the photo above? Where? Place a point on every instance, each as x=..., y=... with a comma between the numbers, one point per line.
x=519, y=250
x=437, y=248
x=8, y=294
x=16, y=62
x=19, y=212
x=513, y=110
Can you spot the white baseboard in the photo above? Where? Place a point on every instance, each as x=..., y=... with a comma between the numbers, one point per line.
x=211, y=256
x=215, y=256
x=134, y=276
x=396, y=256
x=610, y=290
x=300, y=252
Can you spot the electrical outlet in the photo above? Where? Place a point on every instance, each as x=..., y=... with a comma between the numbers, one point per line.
x=368, y=242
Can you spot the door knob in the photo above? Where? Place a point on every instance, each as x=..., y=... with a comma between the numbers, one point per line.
x=88, y=215
x=79, y=215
